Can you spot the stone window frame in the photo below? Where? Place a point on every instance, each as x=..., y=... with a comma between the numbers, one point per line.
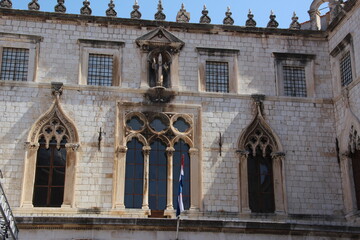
x=278, y=162
x=306, y=61
x=29, y=42
x=114, y=48
x=191, y=137
x=32, y=146
x=229, y=56
x=344, y=47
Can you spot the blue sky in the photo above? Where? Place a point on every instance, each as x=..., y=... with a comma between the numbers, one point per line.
x=283, y=9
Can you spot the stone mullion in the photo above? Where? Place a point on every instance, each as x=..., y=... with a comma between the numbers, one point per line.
x=348, y=184
x=29, y=174
x=278, y=180
x=145, y=204
x=169, y=198
x=244, y=185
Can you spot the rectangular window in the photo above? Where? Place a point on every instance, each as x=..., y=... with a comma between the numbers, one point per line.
x=14, y=64
x=100, y=70
x=294, y=81
x=217, y=77
x=345, y=69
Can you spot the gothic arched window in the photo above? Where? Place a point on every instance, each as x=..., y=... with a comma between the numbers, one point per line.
x=50, y=174
x=134, y=174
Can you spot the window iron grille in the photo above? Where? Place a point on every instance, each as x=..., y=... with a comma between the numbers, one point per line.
x=15, y=63
x=217, y=77
x=100, y=70
x=345, y=70
x=294, y=81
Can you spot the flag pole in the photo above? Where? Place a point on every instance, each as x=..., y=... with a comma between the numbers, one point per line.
x=177, y=228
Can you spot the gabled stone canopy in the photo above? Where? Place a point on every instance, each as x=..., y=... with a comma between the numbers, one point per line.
x=159, y=37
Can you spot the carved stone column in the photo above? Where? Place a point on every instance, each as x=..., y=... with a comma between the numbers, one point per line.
x=29, y=174
x=145, y=204
x=279, y=191
x=243, y=172
x=169, y=197
x=119, y=178
x=69, y=187
x=348, y=184
x=195, y=187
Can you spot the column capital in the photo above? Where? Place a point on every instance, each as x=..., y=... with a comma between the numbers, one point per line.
x=121, y=149
x=72, y=147
x=146, y=150
x=345, y=156
x=31, y=146
x=170, y=150
x=193, y=151
x=278, y=155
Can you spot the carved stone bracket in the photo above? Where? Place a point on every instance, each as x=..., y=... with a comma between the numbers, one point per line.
x=31, y=146
x=72, y=147
x=57, y=88
x=259, y=100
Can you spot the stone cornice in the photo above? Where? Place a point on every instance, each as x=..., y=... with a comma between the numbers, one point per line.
x=189, y=27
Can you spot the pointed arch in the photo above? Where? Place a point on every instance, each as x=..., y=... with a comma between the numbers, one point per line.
x=53, y=129
x=186, y=139
x=139, y=137
x=261, y=157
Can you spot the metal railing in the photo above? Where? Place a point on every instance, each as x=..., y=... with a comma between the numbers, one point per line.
x=8, y=228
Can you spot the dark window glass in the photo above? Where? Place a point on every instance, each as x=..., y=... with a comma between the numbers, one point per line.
x=356, y=172
x=294, y=81
x=157, y=176
x=217, y=77
x=100, y=70
x=14, y=65
x=181, y=125
x=260, y=180
x=50, y=175
x=134, y=174
x=345, y=69
x=157, y=125
x=135, y=123
x=181, y=148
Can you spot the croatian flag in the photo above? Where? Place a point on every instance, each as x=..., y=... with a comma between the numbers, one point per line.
x=180, y=205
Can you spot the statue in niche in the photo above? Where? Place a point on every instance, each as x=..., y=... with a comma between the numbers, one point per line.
x=159, y=69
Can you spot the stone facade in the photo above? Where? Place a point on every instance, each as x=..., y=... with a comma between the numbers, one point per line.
x=314, y=191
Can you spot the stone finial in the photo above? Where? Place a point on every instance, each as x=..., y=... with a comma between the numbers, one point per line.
x=135, y=14
x=110, y=12
x=60, y=7
x=205, y=18
x=183, y=16
x=34, y=5
x=160, y=15
x=86, y=10
x=272, y=23
x=56, y=88
x=295, y=24
x=228, y=20
x=250, y=22
x=6, y=4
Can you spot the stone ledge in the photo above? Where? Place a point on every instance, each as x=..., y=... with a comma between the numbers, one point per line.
x=281, y=228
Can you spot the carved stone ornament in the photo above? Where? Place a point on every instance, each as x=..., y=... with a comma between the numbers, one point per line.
x=160, y=15
x=86, y=10
x=183, y=16
x=32, y=146
x=135, y=14
x=60, y=7
x=72, y=147
x=56, y=88
x=34, y=5
x=6, y=4
x=259, y=134
x=205, y=18
x=272, y=23
x=110, y=12
x=295, y=24
x=228, y=20
x=250, y=22
x=159, y=95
